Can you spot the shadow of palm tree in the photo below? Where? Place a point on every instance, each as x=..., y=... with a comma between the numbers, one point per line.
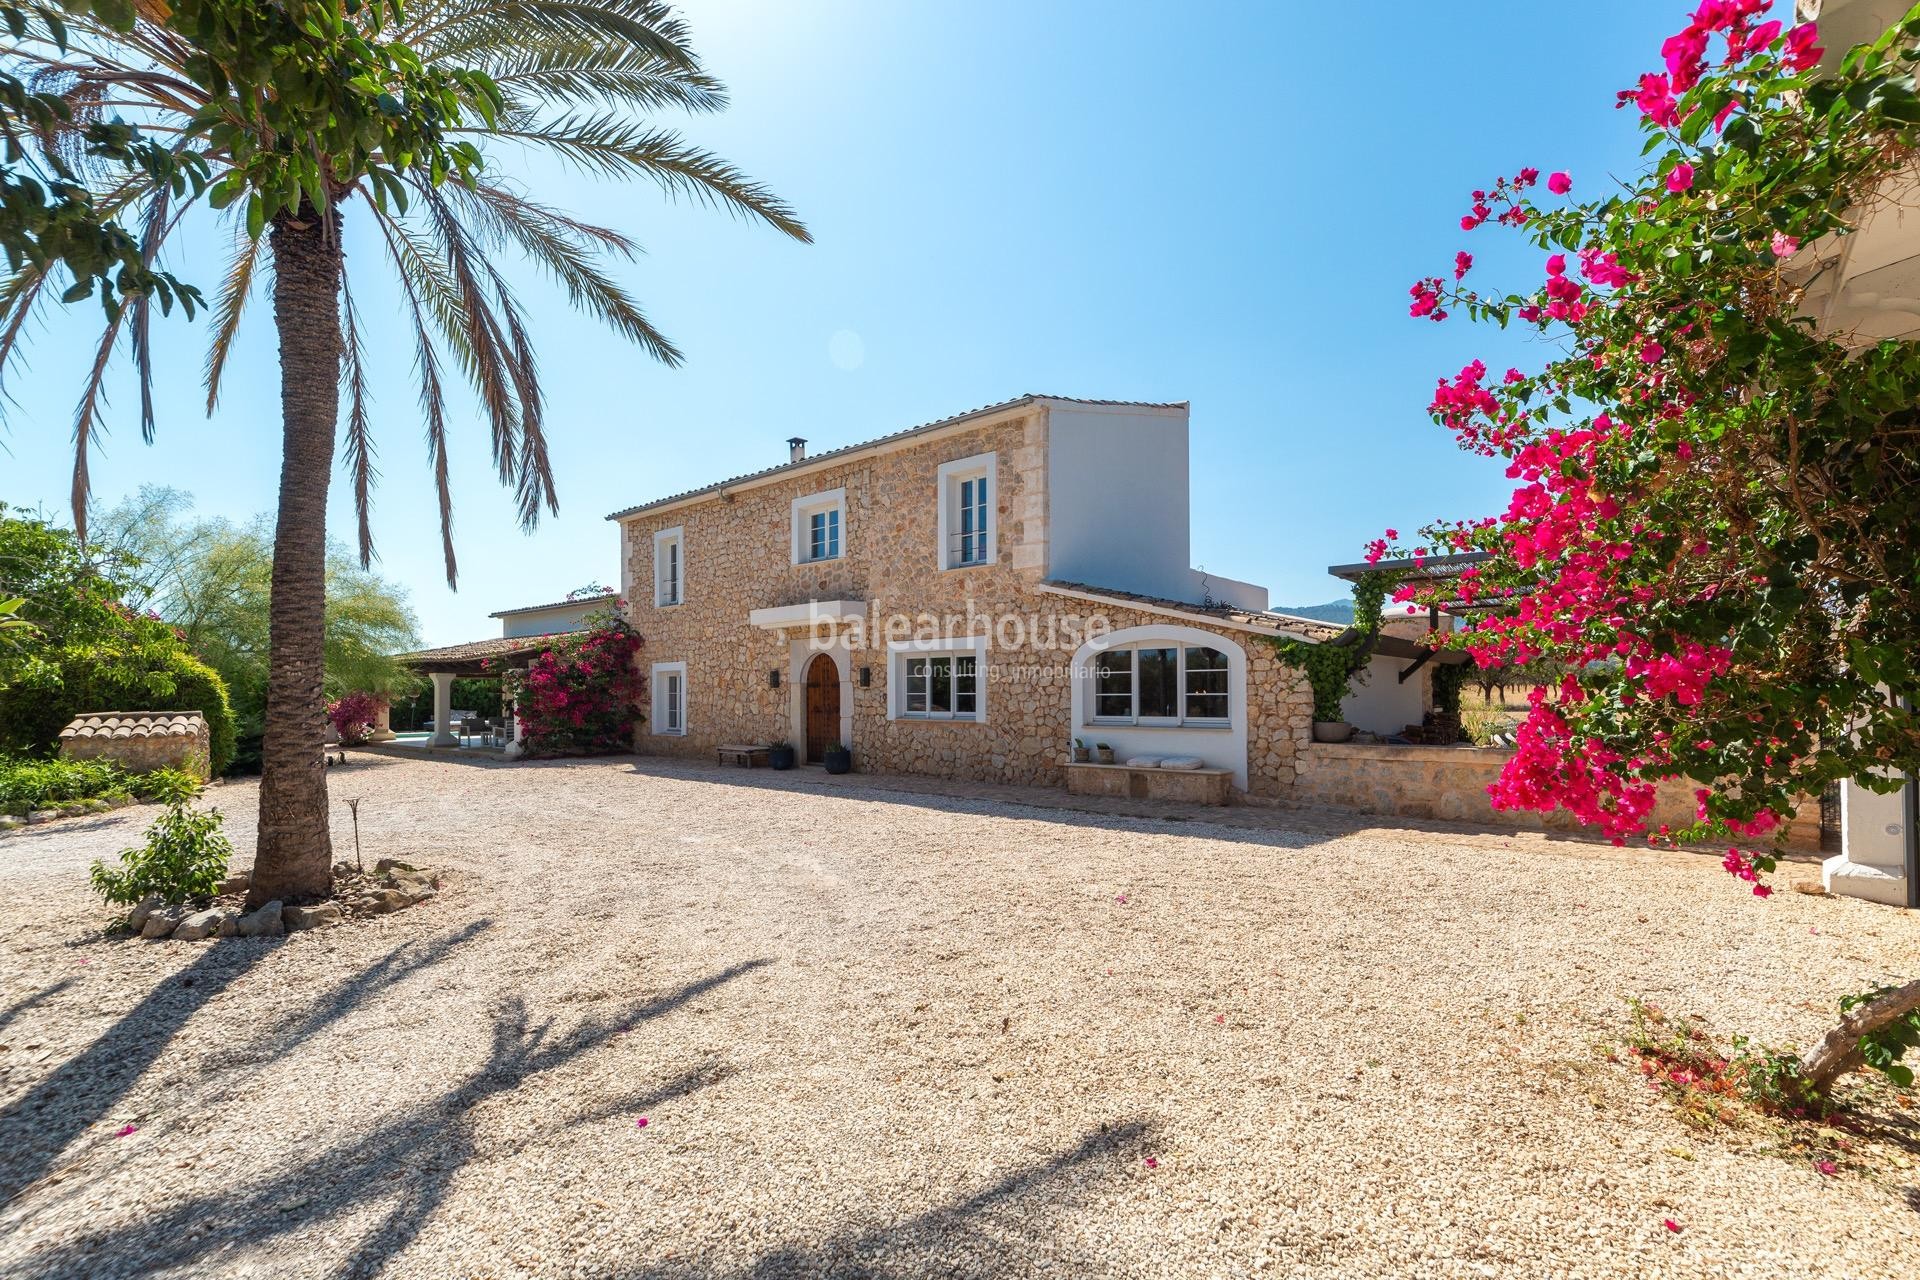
x=414, y=1156
x=25, y=1003
x=43, y=1124
x=973, y=1235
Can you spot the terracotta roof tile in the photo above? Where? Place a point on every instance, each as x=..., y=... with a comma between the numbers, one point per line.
x=1263, y=619
x=137, y=724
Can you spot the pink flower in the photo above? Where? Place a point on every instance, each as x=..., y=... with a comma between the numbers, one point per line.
x=1680, y=178
x=1672, y=1226
x=1784, y=245
x=1762, y=891
x=1802, y=52
x=1559, y=183
x=1393, y=533
x=1826, y=1168
x=1122, y=899
x=125, y=1130
x=1462, y=263
x=1152, y=1163
x=641, y=1123
x=1652, y=353
x=1220, y=1019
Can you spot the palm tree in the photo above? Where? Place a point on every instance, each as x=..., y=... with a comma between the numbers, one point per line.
x=575, y=79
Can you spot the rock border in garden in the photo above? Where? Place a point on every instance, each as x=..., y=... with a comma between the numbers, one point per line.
x=391, y=886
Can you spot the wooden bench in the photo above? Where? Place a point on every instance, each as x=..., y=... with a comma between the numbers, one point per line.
x=743, y=754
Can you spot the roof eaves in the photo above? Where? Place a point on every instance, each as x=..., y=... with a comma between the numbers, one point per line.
x=845, y=451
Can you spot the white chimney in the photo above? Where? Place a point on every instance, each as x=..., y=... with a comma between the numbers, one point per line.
x=796, y=448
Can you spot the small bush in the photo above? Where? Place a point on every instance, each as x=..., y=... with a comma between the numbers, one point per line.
x=36, y=784
x=183, y=860
x=353, y=717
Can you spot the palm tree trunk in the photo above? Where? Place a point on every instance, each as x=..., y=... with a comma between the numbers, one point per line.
x=294, y=857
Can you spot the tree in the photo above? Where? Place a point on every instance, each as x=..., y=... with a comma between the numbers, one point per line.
x=399, y=144
x=213, y=581
x=1717, y=526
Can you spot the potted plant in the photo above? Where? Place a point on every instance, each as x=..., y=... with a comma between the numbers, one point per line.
x=780, y=754
x=1080, y=752
x=1103, y=753
x=838, y=758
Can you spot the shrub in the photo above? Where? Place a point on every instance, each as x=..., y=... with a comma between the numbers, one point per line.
x=115, y=677
x=183, y=860
x=579, y=696
x=353, y=717
x=36, y=784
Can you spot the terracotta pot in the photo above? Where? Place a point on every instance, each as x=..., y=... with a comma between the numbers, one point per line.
x=1331, y=731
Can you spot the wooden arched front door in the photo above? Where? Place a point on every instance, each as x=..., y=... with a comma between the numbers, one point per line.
x=823, y=707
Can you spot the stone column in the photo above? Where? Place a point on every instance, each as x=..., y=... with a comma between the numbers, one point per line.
x=518, y=747
x=382, y=724
x=442, y=710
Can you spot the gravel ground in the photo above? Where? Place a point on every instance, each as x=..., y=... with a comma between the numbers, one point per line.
x=881, y=1032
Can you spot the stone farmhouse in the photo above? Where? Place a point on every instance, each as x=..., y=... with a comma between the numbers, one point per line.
x=966, y=599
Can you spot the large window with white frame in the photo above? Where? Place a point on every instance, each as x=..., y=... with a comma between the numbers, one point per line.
x=670, y=699
x=669, y=567
x=1158, y=683
x=968, y=513
x=942, y=681
x=819, y=526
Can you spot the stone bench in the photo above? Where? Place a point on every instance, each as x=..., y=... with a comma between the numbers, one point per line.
x=744, y=754
x=1139, y=782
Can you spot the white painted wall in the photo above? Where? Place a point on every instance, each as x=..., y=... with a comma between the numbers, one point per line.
x=1118, y=508
x=1379, y=703
x=1220, y=746
x=541, y=622
x=1872, y=862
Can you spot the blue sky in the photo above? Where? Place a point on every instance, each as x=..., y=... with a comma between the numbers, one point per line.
x=1224, y=204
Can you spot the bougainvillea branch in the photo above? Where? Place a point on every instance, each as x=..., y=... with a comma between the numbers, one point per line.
x=580, y=697
x=1717, y=489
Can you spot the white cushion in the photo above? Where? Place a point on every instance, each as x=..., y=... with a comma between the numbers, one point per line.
x=1143, y=762
x=1183, y=762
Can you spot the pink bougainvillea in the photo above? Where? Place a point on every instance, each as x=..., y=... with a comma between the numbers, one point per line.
x=354, y=716
x=581, y=696
x=1620, y=553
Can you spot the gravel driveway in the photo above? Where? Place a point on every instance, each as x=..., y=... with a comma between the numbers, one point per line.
x=878, y=1033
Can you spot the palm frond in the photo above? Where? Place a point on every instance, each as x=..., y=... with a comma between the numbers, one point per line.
x=467, y=31
x=236, y=289
x=605, y=144
x=597, y=71
x=561, y=245
x=86, y=421
x=358, y=447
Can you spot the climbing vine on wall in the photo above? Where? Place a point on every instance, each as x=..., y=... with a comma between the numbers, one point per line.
x=1330, y=668
x=581, y=696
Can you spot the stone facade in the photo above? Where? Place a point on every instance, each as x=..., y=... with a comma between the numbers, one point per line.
x=736, y=547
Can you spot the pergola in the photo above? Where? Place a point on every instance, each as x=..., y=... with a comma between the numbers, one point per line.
x=477, y=659
x=1425, y=572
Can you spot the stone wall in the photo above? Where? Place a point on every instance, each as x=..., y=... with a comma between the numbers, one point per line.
x=141, y=742
x=737, y=558
x=1450, y=783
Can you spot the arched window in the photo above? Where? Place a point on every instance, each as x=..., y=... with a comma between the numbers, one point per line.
x=1161, y=683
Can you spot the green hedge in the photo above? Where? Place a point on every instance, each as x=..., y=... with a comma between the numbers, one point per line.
x=26, y=785
x=32, y=713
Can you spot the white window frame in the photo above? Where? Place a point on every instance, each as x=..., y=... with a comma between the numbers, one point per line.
x=982, y=466
x=675, y=538
x=1180, y=647
x=656, y=720
x=803, y=511
x=900, y=652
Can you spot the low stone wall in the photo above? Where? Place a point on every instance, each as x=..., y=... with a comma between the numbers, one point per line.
x=141, y=741
x=1450, y=783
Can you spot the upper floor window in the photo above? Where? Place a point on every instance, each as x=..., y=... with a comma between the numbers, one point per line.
x=669, y=567
x=819, y=521
x=967, y=512
x=1161, y=684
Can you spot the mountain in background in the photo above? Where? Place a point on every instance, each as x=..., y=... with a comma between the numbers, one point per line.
x=1332, y=611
